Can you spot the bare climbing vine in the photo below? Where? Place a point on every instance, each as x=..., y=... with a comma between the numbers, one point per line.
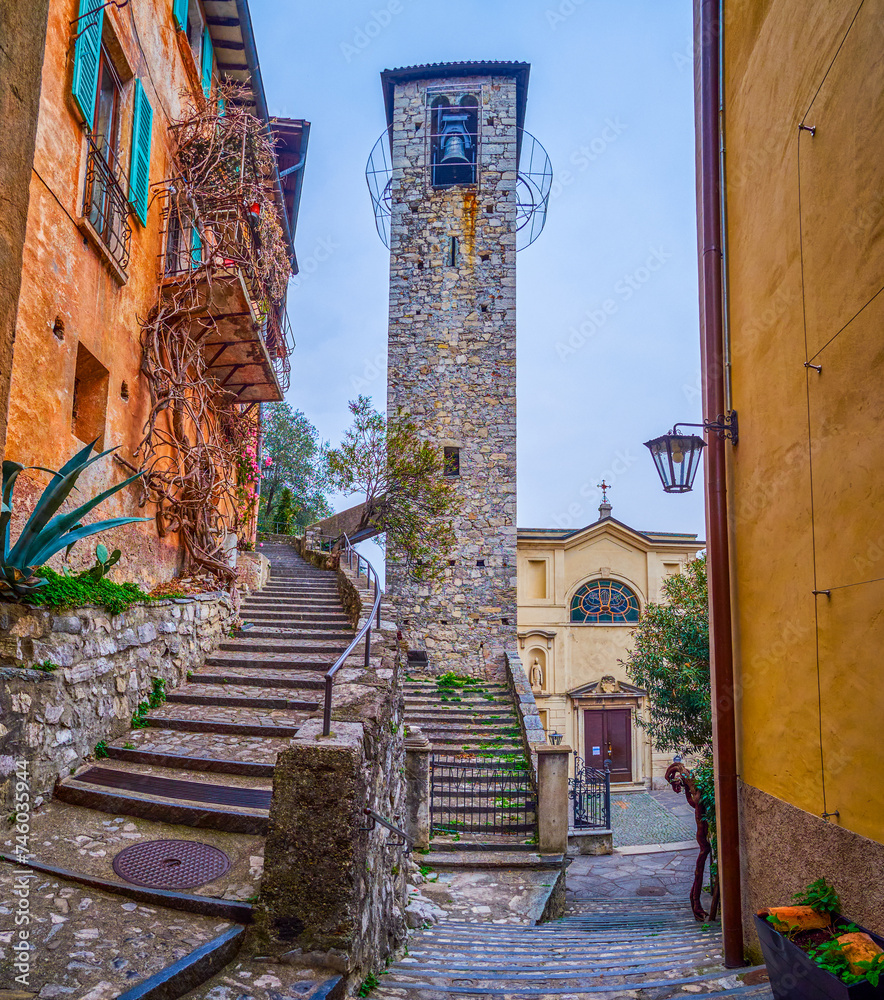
x=221, y=224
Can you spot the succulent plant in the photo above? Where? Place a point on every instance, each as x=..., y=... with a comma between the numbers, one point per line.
x=46, y=531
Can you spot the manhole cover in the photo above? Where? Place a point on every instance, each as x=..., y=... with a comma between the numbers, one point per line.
x=650, y=890
x=171, y=864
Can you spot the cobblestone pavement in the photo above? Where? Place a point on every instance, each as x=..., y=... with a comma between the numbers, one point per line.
x=500, y=897
x=643, y=818
x=87, y=841
x=88, y=945
x=664, y=874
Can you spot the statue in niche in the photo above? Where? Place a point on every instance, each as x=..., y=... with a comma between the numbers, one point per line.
x=609, y=685
x=535, y=675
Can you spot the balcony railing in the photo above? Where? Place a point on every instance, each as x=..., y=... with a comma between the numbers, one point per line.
x=105, y=204
x=219, y=239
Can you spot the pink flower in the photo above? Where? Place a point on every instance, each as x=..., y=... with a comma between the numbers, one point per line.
x=268, y=461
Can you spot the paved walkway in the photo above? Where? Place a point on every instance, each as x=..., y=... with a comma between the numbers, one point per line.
x=663, y=874
x=651, y=818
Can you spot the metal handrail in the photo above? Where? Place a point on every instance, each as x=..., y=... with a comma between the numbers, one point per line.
x=365, y=631
x=374, y=818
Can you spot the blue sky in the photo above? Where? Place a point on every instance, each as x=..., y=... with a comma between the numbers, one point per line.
x=607, y=297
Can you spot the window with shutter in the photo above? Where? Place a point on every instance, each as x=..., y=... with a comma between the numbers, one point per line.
x=87, y=53
x=139, y=171
x=179, y=13
x=207, y=62
x=196, y=247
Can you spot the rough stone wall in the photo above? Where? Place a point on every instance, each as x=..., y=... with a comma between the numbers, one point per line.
x=452, y=366
x=331, y=890
x=106, y=666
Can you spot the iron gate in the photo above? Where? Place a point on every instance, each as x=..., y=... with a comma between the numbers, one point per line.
x=590, y=791
x=481, y=795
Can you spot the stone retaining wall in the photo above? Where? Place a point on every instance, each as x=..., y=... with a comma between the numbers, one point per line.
x=106, y=665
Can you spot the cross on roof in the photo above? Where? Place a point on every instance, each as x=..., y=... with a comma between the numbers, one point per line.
x=604, y=487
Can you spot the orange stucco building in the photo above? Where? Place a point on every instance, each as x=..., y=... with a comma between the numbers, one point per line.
x=98, y=256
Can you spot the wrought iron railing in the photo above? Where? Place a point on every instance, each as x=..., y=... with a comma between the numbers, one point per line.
x=590, y=791
x=488, y=795
x=363, y=633
x=221, y=235
x=105, y=204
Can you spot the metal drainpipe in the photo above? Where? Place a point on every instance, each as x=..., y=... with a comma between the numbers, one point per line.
x=708, y=23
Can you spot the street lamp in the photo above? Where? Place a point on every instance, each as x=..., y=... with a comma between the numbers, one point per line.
x=555, y=739
x=676, y=455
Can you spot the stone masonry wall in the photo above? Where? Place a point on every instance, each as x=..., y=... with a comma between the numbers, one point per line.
x=106, y=666
x=452, y=366
x=333, y=892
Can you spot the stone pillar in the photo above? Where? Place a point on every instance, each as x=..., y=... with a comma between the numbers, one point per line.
x=417, y=788
x=552, y=799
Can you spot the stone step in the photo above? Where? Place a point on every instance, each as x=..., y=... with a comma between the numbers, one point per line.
x=246, y=677
x=239, y=696
x=286, y=628
x=125, y=789
x=487, y=859
x=273, y=661
x=226, y=720
x=213, y=765
x=284, y=644
x=325, y=621
x=297, y=612
x=485, y=710
x=216, y=749
x=454, y=727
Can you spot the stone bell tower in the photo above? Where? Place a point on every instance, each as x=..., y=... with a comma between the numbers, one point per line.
x=453, y=207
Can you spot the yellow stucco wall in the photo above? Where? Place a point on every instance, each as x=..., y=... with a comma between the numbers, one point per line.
x=805, y=262
x=575, y=655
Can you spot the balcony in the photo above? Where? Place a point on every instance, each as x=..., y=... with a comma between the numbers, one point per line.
x=106, y=207
x=215, y=282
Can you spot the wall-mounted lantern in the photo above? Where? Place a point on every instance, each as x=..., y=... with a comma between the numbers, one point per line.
x=555, y=739
x=677, y=455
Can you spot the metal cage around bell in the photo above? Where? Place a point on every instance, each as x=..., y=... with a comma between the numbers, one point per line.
x=533, y=185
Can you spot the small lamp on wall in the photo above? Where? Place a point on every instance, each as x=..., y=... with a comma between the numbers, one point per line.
x=555, y=738
x=677, y=455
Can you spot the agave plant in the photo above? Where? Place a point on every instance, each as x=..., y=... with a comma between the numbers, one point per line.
x=46, y=534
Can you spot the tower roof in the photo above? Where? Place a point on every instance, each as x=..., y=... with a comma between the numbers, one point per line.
x=445, y=71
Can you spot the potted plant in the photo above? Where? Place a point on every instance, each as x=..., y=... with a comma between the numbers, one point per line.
x=813, y=953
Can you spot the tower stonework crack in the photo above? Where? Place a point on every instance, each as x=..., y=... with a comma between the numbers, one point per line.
x=454, y=133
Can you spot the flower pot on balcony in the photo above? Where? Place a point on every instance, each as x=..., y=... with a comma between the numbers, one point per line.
x=794, y=975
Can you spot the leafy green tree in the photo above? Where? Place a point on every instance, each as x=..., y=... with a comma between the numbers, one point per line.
x=285, y=513
x=294, y=459
x=670, y=660
x=401, y=479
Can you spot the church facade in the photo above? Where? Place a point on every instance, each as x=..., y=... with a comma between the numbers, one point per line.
x=580, y=594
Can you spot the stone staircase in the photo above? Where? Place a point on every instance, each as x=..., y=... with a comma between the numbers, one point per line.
x=611, y=948
x=206, y=757
x=192, y=788
x=476, y=719
x=481, y=786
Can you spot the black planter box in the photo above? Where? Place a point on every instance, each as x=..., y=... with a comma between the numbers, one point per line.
x=794, y=975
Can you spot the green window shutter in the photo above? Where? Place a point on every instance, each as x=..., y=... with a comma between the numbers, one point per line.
x=222, y=107
x=87, y=53
x=179, y=13
x=196, y=247
x=139, y=166
x=207, y=62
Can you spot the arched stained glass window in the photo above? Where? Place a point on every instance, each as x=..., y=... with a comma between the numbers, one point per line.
x=604, y=602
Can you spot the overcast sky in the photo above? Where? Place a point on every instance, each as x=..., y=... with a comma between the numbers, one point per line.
x=611, y=98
